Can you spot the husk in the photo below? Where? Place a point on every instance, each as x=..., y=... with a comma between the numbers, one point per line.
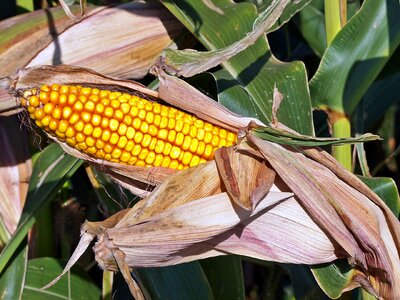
x=351, y=218
x=127, y=40
x=15, y=171
x=180, y=222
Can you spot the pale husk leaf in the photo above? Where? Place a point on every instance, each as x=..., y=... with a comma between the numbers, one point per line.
x=163, y=231
x=353, y=220
x=15, y=171
x=127, y=40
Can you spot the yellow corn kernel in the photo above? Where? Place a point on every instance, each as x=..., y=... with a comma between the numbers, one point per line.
x=152, y=130
x=187, y=158
x=90, y=142
x=175, y=152
x=48, y=108
x=159, y=146
x=89, y=106
x=116, y=153
x=79, y=137
x=97, y=132
x=130, y=133
x=63, y=126
x=86, y=117
x=136, y=150
x=106, y=135
x=125, y=156
x=114, y=138
x=194, y=161
x=100, y=144
x=113, y=125
x=122, y=129
x=208, y=137
x=125, y=107
x=122, y=142
x=96, y=120
x=136, y=123
x=144, y=127
x=146, y=141
x=166, y=162
x=158, y=160
x=138, y=137
x=150, y=157
x=186, y=143
x=88, y=129
x=129, y=146
x=143, y=154
x=62, y=100
x=179, y=139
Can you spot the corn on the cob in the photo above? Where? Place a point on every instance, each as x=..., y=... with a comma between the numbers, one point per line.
x=124, y=128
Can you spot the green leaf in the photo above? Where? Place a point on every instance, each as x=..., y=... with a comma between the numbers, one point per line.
x=12, y=279
x=255, y=69
x=333, y=277
x=356, y=56
x=311, y=23
x=50, y=171
x=41, y=271
x=386, y=189
x=185, y=281
x=225, y=276
x=284, y=137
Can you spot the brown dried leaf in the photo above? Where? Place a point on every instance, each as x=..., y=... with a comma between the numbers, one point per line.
x=246, y=186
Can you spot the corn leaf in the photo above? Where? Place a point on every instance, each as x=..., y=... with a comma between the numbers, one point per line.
x=185, y=281
x=386, y=189
x=255, y=69
x=77, y=285
x=50, y=171
x=12, y=279
x=356, y=56
x=225, y=276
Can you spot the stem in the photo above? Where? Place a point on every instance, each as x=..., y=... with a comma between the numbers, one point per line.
x=108, y=278
x=335, y=18
x=341, y=129
x=332, y=19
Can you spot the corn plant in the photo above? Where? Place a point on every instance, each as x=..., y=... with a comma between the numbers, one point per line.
x=253, y=156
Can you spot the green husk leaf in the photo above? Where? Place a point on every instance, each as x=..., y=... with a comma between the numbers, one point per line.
x=284, y=137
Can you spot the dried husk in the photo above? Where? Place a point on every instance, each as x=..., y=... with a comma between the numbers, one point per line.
x=367, y=231
x=127, y=40
x=180, y=222
x=15, y=171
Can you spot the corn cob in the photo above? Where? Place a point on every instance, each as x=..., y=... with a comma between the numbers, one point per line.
x=124, y=128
